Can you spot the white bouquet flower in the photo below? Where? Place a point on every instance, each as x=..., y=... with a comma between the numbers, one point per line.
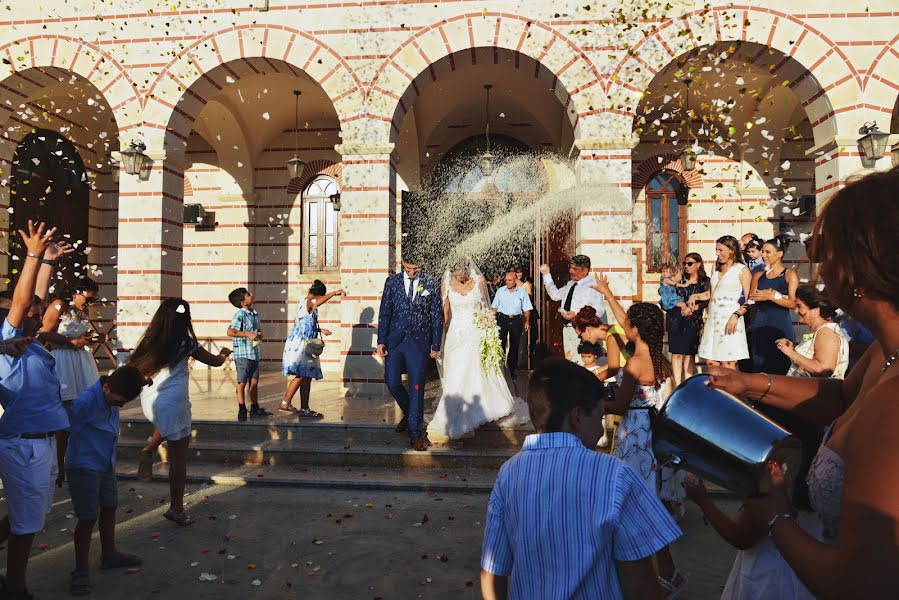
x=491, y=350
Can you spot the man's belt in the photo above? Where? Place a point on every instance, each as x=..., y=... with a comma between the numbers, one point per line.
x=37, y=436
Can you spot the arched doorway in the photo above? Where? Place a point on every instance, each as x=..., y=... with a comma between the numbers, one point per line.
x=49, y=183
x=666, y=217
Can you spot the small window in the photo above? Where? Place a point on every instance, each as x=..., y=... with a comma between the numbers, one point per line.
x=320, y=226
x=666, y=220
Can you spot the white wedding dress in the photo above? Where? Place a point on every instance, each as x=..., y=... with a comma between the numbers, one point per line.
x=470, y=397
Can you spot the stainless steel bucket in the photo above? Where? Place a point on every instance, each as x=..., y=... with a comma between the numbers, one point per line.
x=721, y=438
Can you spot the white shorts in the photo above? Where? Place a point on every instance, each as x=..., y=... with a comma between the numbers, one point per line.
x=28, y=469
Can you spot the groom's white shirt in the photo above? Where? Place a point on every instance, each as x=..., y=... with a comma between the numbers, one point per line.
x=407, y=282
x=584, y=295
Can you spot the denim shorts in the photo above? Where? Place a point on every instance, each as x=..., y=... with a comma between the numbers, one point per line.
x=91, y=491
x=247, y=369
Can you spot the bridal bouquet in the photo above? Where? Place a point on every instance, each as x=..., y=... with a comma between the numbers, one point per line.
x=491, y=350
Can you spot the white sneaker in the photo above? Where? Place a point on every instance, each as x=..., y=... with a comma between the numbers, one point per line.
x=604, y=441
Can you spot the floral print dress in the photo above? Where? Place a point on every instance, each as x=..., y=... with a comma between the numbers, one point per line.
x=296, y=361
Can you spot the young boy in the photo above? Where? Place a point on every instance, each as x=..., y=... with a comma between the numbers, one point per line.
x=90, y=470
x=588, y=511
x=33, y=415
x=246, y=332
x=589, y=353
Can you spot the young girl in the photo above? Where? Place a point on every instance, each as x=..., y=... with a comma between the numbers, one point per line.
x=161, y=355
x=637, y=399
x=298, y=361
x=67, y=329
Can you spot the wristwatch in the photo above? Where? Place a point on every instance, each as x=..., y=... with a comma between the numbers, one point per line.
x=775, y=519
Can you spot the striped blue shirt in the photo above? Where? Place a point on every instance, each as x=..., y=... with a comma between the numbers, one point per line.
x=561, y=516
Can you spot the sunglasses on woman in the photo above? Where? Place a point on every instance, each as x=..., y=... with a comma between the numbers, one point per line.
x=689, y=263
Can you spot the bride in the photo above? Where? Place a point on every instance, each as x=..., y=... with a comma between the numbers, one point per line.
x=470, y=396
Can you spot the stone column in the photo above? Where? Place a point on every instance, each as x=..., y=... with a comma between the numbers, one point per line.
x=367, y=256
x=604, y=226
x=149, y=245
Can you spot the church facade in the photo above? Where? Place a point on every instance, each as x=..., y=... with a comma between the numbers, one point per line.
x=671, y=124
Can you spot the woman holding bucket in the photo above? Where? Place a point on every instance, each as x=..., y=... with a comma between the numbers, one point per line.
x=852, y=481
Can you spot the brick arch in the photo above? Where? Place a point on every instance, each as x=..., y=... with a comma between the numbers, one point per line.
x=880, y=83
x=70, y=55
x=572, y=68
x=313, y=170
x=648, y=168
x=182, y=88
x=813, y=64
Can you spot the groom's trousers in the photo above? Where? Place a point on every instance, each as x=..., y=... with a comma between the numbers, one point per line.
x=412, y=359
x=510, y=327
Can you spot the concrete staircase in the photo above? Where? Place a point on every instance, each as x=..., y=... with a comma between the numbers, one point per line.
x=327, y=455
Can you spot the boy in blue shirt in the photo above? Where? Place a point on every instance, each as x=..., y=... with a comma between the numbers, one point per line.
x=246, y=333
x=33, y=413
x=90, y=470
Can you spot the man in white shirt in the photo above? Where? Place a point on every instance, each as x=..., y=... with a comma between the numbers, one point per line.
x=574, y=295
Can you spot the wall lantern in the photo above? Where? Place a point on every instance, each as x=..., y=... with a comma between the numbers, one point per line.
x=485, y=162
x=335, y=200
x=873, y=142
x=688, y=155
x=295, y=166
x=133, y=159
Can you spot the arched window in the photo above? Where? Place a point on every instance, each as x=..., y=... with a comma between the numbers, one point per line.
x=320, y=226
x=666, y=220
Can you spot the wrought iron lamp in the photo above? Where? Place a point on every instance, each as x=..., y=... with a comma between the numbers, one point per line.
x=133, y=159
x=873, y=142
x=295, y=166
x=335, y=200
x=688, y=155
x=486, y=160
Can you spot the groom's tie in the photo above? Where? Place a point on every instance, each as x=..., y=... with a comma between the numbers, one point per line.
x=567, y=306
x=411, y=293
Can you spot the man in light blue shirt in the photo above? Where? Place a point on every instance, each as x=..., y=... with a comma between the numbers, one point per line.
x=512, y=308
x=565, y=521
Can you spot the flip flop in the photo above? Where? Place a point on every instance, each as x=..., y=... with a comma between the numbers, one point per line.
x=181, y=519
x=120, y=560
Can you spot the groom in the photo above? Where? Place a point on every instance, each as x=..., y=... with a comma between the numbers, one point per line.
x=410, y=328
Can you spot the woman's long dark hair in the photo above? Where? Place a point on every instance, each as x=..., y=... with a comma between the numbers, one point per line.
x=701, y=276
x=163, y=343
x=650, y=323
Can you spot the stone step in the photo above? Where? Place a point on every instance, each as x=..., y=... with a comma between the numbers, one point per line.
x=488, y=437
x=392, y=452
x=325, y=477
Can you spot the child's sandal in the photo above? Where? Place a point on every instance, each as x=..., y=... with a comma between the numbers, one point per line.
x=80, y=583
x=120, y=560
x=308, y=413
x=181, y=519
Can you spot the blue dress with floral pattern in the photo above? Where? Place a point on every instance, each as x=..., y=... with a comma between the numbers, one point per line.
x=297, y=362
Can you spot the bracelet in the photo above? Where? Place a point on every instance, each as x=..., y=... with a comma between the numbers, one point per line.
x=768, y=389
x=32, y=255
x=775, y=519
x=47, y=261
x=738, y=314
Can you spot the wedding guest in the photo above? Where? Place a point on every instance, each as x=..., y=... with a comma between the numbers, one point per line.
x=753, y=255
x=852, y=484
x=824, y=352
x=245, y=332
x=759, y=570
x=723, y=339
x=774, y=293
x=512, y=308
x=668, y=296
x=574, y=295
x=683, y=322
x=589, y=353
x=161, y=355
x=33, y=415
x=301, y=360
x=564, y=521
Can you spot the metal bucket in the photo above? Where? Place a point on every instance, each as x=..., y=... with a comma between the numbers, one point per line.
x=721, y=438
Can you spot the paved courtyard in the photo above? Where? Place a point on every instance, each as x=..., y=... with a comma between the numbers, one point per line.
x=285, y=543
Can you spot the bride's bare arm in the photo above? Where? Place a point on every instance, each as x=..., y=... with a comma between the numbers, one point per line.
x=444, y=293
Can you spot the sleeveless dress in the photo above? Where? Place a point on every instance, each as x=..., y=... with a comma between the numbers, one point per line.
x=770, y=323
x=75, y=368
x=684, y=332
x=825, y=487
x=716, y=344
x=166, y=403
x=470, y=397
x=296, y=361
x=807, y=349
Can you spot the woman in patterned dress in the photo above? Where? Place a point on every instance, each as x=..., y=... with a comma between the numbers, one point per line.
x=298, y=361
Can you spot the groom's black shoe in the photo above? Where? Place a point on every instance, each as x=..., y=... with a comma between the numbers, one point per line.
x=403, y=425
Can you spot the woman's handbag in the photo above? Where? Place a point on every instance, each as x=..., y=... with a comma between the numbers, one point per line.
x=315, y=346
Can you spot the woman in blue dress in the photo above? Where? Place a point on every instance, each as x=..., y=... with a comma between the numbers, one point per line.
x=301, y=357
x=773, y=292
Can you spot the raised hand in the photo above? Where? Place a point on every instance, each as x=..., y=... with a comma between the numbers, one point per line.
x=57, y=249
x=602, y=284
x=37, y=239
x=544, y=269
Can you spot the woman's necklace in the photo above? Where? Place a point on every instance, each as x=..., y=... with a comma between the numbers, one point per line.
x=889, y=361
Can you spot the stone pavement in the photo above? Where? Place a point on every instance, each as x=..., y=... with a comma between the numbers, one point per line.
x=314, y=544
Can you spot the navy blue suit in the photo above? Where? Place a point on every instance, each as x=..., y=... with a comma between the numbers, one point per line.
x=409, y=331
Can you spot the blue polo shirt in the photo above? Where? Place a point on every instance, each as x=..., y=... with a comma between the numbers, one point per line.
x=94, y=432
x=35, y=403
x=512, y=303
